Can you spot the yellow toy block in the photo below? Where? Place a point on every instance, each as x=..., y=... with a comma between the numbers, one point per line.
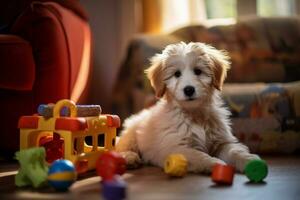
x=175, y=165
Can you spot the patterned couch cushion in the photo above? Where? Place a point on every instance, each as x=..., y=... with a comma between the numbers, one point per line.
x=266, y=117
x=258, y=46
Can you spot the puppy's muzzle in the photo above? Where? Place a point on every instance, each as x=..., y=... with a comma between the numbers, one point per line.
x=189, y=91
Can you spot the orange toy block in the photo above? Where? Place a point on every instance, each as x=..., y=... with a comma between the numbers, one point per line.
x=222, y=174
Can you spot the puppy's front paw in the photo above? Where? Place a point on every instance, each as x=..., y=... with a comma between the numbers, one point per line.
x=133, y=160
x=211, y=163
x=243, y=160
x=207, y=165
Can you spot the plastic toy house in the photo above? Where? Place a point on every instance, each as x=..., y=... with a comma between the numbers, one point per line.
x=65, y=135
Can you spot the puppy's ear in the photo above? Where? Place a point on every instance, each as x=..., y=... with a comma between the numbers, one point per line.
x=155, y=75
x=221, y=63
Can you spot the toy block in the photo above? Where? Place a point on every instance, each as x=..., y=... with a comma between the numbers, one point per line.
x=114, y=189
x=175, y=165
x=82, y=110
x=256, y=170
x=222, y=174
x=109, y=164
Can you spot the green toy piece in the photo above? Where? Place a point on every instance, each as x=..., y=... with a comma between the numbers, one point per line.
x=33, y=167
x=256, y=170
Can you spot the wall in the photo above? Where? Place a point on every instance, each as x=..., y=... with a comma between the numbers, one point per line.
x=113, y=25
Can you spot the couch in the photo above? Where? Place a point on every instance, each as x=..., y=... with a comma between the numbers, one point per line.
x=262, y=89
x=44, y=56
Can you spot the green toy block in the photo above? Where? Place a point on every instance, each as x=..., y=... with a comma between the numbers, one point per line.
x=33, y=168
x=256, y=170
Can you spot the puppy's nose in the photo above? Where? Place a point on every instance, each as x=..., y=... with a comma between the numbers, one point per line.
x=189, y=90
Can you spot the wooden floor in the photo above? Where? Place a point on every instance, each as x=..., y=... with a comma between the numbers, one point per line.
x=150, y=183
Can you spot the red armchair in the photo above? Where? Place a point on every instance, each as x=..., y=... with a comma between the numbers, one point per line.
x=45, y=58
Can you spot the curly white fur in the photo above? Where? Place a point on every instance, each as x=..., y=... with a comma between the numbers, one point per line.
x=196, y=124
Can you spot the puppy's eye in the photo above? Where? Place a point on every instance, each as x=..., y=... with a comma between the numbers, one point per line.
x=197, y=71
x=177, y=74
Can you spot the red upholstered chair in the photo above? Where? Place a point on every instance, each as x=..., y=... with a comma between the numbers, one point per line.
x=45, y=58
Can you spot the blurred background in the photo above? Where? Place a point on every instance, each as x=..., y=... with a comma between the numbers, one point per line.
x=115, y=23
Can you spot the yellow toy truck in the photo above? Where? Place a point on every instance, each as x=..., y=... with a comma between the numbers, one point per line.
x=64, y=129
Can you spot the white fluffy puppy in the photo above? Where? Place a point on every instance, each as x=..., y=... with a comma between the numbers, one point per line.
x=189, y=118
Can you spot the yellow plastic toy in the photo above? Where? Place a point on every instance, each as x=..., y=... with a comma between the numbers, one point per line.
x=175, y=165
x=72, y=131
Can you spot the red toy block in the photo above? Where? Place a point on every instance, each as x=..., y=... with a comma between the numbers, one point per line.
x=70, y=124
x=109, y=164
x=222, y=174
x=28, y=122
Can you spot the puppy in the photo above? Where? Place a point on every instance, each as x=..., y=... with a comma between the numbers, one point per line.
x=189, y=117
